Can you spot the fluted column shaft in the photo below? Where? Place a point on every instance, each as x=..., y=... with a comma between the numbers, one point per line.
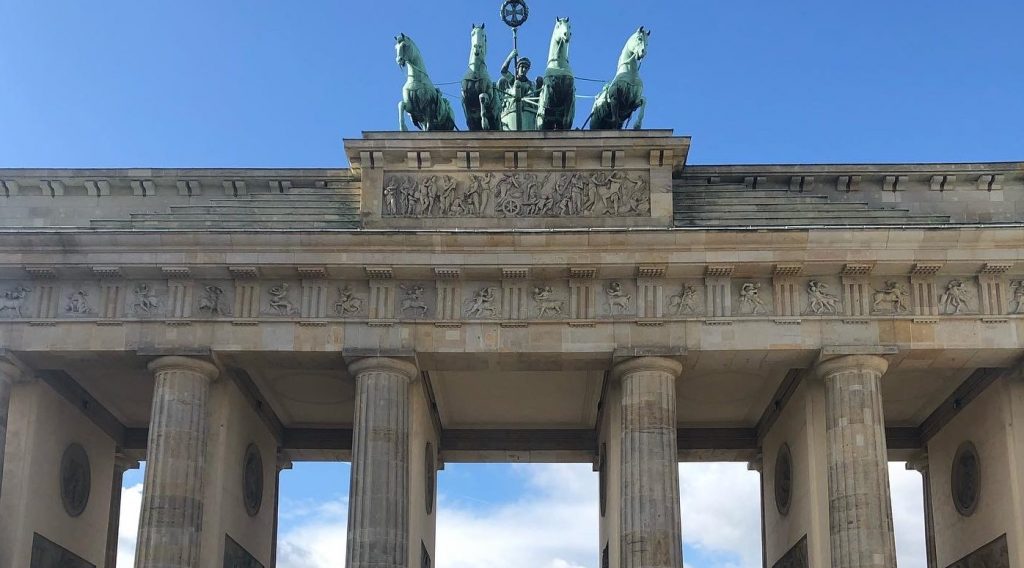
x=860, y=508
x=172, y=499
x=9, y=373
x=378, y=521
x=651, y=528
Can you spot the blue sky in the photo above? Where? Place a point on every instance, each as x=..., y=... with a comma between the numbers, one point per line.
x=198, y=83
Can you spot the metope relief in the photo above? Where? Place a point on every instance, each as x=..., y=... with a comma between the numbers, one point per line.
x=413, y=301
x=1017, y=306
x=12, y=301
x=547, y=304
x=349, y=303
x=78, y=302
x=213, y=300
x=892, y=298
x=956, y=298
x=619, y=300
x=483, y=304
x=618, y=193
x=144, y=300
x=751, y=299
x=819, y=300
x=279, y=302
x=684, y=301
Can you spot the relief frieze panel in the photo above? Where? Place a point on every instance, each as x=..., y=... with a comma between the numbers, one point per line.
x=614, y=299
x=519, y=194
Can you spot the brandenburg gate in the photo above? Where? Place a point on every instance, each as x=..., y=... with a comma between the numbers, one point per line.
x=502, y=295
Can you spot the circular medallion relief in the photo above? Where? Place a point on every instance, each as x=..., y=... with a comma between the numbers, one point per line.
x=965, y=479
x=783, y=480
x=75, y=479
x=430, y=472
x=252, y=480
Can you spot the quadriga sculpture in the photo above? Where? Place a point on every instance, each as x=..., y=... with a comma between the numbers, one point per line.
x=420, y=98
x=479, y=100
x=558, y=94
x=620, y=98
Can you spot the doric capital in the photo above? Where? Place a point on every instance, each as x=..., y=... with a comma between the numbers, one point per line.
x=756, y=464
x=122, y=462
x=847, y=363
x=918, y=462
x=189, y=364
x=384, y=364
x=640, y=364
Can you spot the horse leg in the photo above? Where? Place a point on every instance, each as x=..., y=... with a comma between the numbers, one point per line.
x=640, y=119
x=402, y=126
x=485, y=105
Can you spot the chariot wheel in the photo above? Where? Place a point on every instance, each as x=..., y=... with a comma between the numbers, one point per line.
x=511, y=208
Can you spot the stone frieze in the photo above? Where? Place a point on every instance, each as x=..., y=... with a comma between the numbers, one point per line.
x=518, y=194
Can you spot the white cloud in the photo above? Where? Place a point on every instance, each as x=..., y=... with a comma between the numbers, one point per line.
x=553, y=524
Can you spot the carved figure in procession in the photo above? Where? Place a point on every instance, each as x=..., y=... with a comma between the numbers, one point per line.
x=413, y=300
x=348, y=303
x=750, y=298
x=78, y=303
x=623, y=96
x=683, y=302
x=1018, y=296
x=618, y=299
x=820, y=300
x=11, y=300
x=279, y=301
x=421, y=100
x=544, y=296
x=483, y=304
x=480, y=102
x=892, y=299
x=145, y=300
x=210, y=301
x=956, y=296
x=557, y=103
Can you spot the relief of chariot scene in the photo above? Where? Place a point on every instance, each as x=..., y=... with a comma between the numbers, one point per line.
x=616, y=193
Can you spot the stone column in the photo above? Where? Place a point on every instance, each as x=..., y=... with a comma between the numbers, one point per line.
x=172, y=499
x=378, y=518
x=10, y=372
x=651, y=531
x=121, y=464
x=919, y=463
x=860, y=508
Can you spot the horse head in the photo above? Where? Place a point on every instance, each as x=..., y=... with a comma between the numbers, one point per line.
x=637, y=45
x=563, y=31
x=406, y=51
x=478, y=43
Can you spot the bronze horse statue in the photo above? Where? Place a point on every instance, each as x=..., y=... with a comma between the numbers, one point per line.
x=479, y=100
x=420, y=98
x=557, y=107
x=623, y=96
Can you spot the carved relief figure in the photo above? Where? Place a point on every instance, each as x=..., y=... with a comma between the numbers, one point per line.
x=12, y=300
x=1018, y=296
x=685, y=302
x=618, y=299
x=78, y=303
x=891, y=299
x=517, y=194
x=279, y=302
x=483, y=303
x=955, y=298
x=413, y=299
x=348, y=303
x=750, y=298
x=821, y=301
x=145, y=300
x=544, y=296
x=210, y=300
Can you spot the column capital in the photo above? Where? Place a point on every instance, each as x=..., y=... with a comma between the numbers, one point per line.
x=180, y=363
x=637, y=364
x=398, y=366
x=918, y=462
x=756, y=464
x=123, y=463
x=874, y=363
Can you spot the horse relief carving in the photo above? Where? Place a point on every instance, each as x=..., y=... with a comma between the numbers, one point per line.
x=483, y=303
x=210, y=301
x=11, y=300
x=618, y=193
x=685, y=302
x=279, y=302
x=413, y=300
x=892, y=299
x=348, y=303
x=146, y=301
x=819, y=300
x=544, y=297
